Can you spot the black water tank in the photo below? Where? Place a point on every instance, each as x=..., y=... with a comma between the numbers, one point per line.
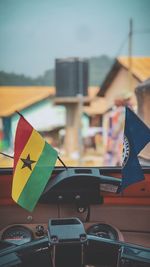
x=71, y=77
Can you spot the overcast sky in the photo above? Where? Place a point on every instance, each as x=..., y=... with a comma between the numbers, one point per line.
x=35, y=32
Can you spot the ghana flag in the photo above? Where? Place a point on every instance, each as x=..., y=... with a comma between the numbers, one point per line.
x=34, y=160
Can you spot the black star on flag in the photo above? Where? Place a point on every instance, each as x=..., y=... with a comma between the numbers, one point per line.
x=27, y=162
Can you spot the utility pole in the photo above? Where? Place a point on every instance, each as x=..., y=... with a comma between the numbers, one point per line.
x=130, y=53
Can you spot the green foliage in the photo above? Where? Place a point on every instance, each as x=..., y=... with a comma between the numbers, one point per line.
x=47, y=79
x=98, y=68
x=14, y=79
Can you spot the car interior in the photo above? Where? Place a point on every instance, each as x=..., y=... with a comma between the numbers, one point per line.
x=78, y=221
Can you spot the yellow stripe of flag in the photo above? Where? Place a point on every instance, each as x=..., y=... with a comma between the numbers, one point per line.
x=33, y=148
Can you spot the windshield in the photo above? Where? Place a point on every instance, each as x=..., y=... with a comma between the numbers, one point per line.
x=70, y=68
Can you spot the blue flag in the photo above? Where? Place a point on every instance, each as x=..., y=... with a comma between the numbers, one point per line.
x=136, y=136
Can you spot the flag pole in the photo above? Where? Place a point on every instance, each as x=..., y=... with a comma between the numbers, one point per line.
x=19, y=113
x=62, y=162
x=6, y=155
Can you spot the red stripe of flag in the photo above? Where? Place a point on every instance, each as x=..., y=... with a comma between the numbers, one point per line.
x=23, y=133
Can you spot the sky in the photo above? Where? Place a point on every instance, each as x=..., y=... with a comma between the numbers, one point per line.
x=33, y=33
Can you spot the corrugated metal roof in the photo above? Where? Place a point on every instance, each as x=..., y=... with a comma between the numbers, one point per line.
x=140, y=70
x=14, y=98
x=140, y=66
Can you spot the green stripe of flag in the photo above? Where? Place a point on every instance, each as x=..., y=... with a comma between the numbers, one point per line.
x=38, y=179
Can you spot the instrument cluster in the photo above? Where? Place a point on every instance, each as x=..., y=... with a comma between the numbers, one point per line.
x=20, y=234
x=17, y=234
x=104, y=231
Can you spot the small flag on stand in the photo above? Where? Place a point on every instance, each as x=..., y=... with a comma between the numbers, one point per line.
x=34, y=160
x=136, y=136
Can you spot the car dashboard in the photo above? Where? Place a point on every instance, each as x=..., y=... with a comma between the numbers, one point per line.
x=108, y=223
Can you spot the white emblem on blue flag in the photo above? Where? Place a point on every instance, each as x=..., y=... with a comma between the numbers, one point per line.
x=126, y=151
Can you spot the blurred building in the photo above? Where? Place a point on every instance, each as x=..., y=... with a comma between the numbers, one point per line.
x=36, y=103
x=118, y=90
x=118, y=83
x=33, y=102
x=143, y=105
x=102, y=118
